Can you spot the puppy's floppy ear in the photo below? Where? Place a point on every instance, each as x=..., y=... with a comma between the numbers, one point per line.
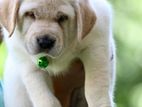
x=86, y=18
x=8, y=14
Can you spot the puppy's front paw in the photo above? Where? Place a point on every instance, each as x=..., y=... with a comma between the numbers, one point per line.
x=50, y=103
x=54, y=103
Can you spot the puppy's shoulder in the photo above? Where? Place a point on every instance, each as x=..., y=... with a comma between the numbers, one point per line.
x=102, y=8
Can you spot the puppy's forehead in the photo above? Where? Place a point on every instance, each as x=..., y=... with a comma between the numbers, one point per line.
x=47, y=7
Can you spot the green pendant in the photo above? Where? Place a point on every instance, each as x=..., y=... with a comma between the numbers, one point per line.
x=43, y=62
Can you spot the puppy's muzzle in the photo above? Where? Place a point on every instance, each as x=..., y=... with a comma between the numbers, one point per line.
x=45, y=43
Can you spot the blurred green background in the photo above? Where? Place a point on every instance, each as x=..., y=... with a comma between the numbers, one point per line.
x=3, y=55
x=128, y=37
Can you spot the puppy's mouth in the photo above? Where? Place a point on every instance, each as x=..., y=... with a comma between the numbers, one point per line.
x=50, y=54
x=44, y=60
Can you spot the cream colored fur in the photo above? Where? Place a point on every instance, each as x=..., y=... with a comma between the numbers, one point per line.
x=27, y=86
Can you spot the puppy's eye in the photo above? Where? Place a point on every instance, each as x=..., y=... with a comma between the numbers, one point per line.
x=62, y=18
x=30, y=15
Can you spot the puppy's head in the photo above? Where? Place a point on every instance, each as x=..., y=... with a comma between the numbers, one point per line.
x=47, y=26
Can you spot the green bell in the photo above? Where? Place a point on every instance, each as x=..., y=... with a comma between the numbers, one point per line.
x=43, y=62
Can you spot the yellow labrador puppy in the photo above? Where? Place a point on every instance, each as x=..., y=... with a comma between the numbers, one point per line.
x=61, y=30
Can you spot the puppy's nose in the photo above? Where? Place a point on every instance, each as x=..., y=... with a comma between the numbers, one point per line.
x=45, y=42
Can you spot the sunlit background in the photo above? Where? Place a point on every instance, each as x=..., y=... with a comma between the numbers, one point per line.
x=128, y=36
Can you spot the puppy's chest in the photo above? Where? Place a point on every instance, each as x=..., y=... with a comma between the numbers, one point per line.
x=69, y=82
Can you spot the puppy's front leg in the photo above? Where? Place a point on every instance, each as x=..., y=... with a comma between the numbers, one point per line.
x=38, y=89
x=98, y=78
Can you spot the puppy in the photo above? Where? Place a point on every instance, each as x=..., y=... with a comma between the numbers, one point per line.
x=63, y=31
x=1, y=35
